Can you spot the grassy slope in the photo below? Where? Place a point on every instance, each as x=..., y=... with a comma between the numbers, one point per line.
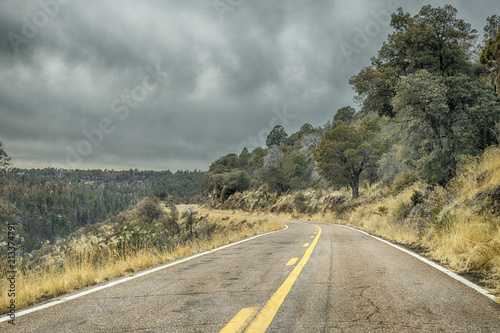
x=119, y=247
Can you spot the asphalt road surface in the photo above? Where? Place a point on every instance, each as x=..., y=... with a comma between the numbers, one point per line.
x=312, y=277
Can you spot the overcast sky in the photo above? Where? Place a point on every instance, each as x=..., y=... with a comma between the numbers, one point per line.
x=174, y=85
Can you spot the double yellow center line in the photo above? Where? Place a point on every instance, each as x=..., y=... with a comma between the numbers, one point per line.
x=268, y=312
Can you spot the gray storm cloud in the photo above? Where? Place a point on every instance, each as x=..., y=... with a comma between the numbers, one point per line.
x=79, y=87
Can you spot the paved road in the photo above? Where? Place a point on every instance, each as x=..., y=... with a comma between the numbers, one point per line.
x=340, y=281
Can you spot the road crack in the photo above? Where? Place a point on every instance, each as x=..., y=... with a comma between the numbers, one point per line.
x=376, y=309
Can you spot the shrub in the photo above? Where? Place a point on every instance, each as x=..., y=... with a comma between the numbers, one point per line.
x=298, y=201
x=417, y=198
x=149, y=210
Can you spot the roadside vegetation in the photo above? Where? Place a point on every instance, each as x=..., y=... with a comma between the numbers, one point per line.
x=148, y=235
x=418, y=163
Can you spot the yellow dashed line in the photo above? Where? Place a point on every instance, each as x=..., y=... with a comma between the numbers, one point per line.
x=306, y=244
x=266, y=315
x=292, y=261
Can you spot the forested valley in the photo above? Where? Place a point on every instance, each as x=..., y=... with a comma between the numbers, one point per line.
x=49, y=204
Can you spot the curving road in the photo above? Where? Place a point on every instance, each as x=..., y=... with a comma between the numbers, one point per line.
x=312, y=277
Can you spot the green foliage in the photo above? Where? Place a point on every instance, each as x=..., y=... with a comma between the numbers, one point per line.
x=425, y=102
x=299, y=203
x=149, y=210
x=244, y=158
x=243, y=182
x=492, y=27
x=7, y=210
x=257, y=157
x=224, y=164
x=450, y=116
x=276, y=137
x=191, y=220
x=286, y=165
x=344, y=153
x=490, y=55
x=4, y=160
x=416, y=198
x=170, y=221
x=345, y=115
x=275, y=172
x=423, y=77
x=298, y=164
x=375, y=88
x=421, y=99
x=226, y=184
x=306, y=129
x=434, y=40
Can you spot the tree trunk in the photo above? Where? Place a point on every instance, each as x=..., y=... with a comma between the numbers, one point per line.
x=279, y=190
x=437, y=136
x=497, y=82
x=355, y=185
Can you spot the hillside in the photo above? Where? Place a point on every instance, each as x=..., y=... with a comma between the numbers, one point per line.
x=416, y=164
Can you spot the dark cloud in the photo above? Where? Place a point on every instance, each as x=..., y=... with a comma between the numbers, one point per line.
x=176, y=84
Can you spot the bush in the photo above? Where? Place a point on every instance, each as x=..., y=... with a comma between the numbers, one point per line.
x=149, y=210
x=417, y=198
x=170, y=221
x=298, y=201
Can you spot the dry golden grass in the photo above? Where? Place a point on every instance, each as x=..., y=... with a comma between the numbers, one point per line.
x=478, y=175
x=82, y=269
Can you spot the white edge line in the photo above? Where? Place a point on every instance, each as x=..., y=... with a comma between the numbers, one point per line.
x=433, y=264
x=114, y=283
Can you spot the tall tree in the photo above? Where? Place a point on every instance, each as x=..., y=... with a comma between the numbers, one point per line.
x=277, y=136
x=435, y=40
x=345, y=115
x=421, y=99
x=448, y=116
x=274, y=171
x=4, y=160
x=492, y=28
x=244, y=158
x=344, y=153
x=7, y=210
